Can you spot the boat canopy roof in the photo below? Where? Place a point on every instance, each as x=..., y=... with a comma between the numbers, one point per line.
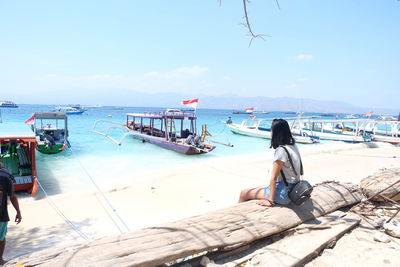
x=170, y=114
x=12, y=130
x=344, y=121
x=50, y=115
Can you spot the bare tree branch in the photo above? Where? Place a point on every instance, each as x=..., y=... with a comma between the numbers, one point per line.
x=248, y=26
x=277, y=3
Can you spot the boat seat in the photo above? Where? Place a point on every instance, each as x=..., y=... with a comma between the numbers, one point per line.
x=23, y=180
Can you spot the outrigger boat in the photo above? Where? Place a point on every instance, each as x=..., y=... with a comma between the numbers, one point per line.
x=384, y=131
x=350, y=130
x=51, y=131
x=172, y=129
x=17, y=153
x=262, y=128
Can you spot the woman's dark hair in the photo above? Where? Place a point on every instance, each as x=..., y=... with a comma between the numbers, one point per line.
x=281, y=134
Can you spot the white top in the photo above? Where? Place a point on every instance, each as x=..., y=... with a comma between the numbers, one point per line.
x=280, y=154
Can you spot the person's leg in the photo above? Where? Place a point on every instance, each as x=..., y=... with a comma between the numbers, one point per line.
x=252, y=193
x=2, y=246
x=3, y=232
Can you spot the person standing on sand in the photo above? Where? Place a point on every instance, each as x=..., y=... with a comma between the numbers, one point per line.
x=6, y=189
x=277, y=191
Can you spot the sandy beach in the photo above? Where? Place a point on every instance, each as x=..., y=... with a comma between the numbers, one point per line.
x=176, y=193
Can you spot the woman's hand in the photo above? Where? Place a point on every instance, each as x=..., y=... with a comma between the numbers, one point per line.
x=265, y=202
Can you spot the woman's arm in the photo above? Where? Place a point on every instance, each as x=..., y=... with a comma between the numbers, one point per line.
x=276, y=169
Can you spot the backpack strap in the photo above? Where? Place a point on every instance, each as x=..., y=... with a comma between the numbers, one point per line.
x=291, y=163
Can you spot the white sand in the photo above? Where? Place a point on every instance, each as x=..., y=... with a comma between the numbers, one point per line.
x=176, y=193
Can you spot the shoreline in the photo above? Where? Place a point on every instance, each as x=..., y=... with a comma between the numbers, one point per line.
x=180, y=191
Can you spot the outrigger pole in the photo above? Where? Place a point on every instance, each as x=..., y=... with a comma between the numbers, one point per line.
x=106, y=134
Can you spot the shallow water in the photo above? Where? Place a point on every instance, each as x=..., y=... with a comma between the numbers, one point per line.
x=94, y=157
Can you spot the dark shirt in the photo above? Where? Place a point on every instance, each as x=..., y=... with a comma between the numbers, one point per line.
x=6, y=189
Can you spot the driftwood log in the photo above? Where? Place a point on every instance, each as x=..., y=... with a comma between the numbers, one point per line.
x=226, y=228
x=387, y=180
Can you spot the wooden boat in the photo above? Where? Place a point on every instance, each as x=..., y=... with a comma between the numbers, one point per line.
x=262, y=128
x=337, y=130
x=172, y=129
x=8, y=104
x=51, y=131
x=17, y=153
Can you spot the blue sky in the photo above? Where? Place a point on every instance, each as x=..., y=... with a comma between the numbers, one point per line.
x=63, y=51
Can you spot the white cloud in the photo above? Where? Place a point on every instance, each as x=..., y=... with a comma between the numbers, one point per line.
x=226, y=78
x=51, y=75
x=304, y=57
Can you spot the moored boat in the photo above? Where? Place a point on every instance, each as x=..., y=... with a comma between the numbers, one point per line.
x=51, y=131
x=171, y=129
x=70, y=110
x=17, y=153
x=8, y=104
x=337, y=130
x=384, y=131
x=246, y=111
x=262, y=128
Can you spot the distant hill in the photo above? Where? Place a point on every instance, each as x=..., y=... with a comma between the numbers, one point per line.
x=124, y=97
x=260, y=103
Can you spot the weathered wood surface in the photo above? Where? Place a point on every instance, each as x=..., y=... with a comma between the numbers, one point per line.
x=381, y=180
x=229, y=227
x=302, y=246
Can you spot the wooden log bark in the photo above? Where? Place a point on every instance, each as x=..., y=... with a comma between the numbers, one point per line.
x=387, y=180
x=300, y=247
x=230, y=227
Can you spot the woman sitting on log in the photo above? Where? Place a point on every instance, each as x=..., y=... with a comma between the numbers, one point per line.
x=277, y=191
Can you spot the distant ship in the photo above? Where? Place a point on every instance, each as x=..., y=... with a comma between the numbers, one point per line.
x=7, y=104
x=246, y=111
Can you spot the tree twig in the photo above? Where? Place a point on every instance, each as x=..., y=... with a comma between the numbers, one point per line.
x=248, y=26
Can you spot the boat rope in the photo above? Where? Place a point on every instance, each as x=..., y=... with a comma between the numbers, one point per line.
x=54, y=206
x=105, y=199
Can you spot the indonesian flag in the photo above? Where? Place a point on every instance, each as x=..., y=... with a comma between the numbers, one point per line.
x=30, y=120
x=368, y=114
x=191, y=103
x=249, y=110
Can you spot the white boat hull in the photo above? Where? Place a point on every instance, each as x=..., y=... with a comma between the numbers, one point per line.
x=255, y=132
x=338, y=136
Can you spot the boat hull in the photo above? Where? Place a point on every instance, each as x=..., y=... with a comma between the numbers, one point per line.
x=177, y=147
x=254, y=132
x=333, y=136
x=8, y=106
x=50, y=150
x=386, y=139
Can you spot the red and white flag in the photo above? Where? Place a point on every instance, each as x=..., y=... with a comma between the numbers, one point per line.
x=30, y=120
x=368, y=114
x=249, y=110
x=190, y=103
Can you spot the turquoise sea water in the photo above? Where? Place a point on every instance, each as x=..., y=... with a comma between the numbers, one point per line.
x=95, y=156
